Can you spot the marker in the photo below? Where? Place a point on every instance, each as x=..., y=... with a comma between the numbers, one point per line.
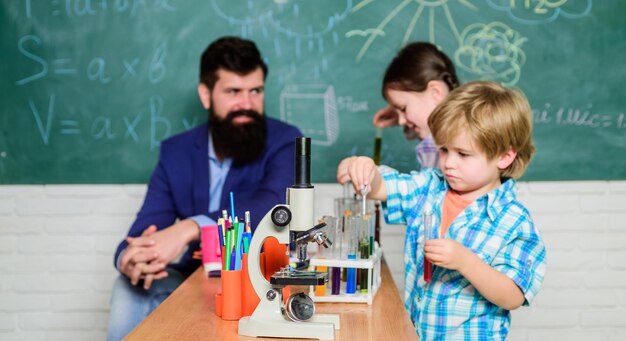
x=246, y=241
x=235, y=235
x=227, y=249
x=238, y=244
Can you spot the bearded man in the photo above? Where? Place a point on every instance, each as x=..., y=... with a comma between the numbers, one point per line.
x=240, y=150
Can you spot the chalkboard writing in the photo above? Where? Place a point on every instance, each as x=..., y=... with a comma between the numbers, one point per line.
x=91, y=87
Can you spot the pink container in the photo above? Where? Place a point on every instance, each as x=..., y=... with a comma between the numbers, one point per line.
x=211, y=253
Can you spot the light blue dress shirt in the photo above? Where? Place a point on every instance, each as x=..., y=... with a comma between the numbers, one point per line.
x=217, y=172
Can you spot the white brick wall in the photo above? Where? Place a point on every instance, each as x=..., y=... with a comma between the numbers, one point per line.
x=57, y=242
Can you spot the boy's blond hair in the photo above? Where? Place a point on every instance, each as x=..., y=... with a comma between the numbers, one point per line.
x=495, y=117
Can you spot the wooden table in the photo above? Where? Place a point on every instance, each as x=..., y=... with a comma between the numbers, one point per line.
x=189, y=314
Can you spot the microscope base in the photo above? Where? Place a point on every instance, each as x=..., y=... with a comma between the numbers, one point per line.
x=320, y=326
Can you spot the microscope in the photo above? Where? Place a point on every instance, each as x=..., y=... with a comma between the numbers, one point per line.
x=289, y=223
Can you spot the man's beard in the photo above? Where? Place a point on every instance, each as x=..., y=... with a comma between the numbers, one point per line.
x=242, y=142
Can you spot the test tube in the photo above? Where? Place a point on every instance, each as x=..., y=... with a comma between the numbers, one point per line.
x=335, y=272
x=334, y=252
x=347, y=189
x=371, y=223
x=345, y=206
x=377, y=223
x=378, y=143
x=366, y=210
x=428, y=234
x=364, y=251
x=351, y=233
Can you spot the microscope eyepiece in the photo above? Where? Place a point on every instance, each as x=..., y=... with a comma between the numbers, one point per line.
x=303, y=163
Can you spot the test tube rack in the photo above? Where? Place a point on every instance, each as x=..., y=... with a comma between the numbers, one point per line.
x=373, y=276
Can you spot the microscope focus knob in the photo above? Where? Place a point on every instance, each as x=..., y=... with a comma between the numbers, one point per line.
x=281, y=216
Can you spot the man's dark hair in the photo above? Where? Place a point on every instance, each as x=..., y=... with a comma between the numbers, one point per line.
x=233, y=54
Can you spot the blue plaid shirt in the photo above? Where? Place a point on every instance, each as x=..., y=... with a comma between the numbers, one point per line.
x=496, y=227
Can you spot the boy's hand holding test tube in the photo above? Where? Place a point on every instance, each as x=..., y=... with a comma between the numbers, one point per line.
x=449, y=254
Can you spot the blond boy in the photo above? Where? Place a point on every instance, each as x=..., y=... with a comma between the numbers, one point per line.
x=488, y=257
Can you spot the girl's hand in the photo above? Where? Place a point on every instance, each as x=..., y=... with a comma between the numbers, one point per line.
x=386, y=117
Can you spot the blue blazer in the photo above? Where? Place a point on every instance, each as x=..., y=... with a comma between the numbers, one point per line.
x=179, y=186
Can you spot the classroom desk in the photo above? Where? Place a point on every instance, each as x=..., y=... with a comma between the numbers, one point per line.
x=189, y=314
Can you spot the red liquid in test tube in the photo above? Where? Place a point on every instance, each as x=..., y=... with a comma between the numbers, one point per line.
x=428, y=234
x=428, y=271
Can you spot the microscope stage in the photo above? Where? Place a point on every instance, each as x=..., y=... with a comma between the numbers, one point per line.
x=299, y=278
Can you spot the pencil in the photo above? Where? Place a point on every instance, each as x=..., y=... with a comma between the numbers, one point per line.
x=232, y=205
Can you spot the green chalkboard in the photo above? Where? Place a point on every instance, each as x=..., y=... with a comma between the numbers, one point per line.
x=88, y=88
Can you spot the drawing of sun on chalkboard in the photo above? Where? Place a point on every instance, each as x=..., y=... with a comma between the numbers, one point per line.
x=425, y=8
x=491, y=51
x=313, y=108
x=542, y=11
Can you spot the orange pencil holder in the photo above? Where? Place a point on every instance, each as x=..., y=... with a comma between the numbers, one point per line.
x=233, y=290
x=231, y=295
x=237, y=297
x=218, y=303
x=218, y=295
